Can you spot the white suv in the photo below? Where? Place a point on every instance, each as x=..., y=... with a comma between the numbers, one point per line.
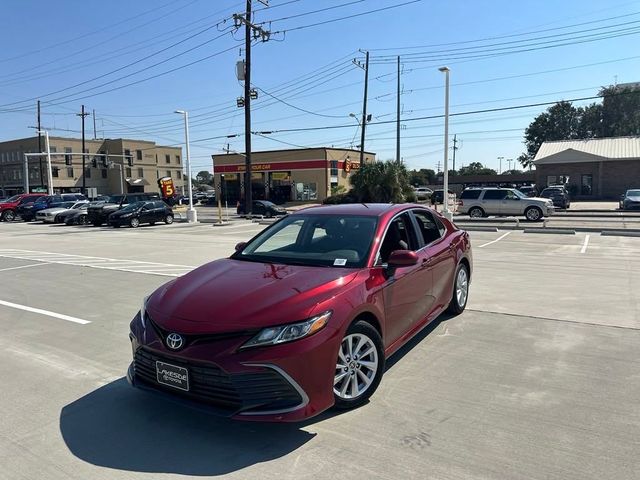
x=482, y=202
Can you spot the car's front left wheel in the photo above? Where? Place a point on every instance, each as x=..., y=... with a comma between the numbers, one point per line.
x=359, y=366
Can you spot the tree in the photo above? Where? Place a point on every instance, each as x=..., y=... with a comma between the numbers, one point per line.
x=383, y=182
x=424, y=176
x=476, y=168
x=204, y=177
x=620, y=111
x=513, y=171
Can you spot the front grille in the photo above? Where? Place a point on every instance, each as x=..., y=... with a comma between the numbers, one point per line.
x=265, y=390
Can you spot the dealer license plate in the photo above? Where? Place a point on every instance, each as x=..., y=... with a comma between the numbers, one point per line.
x=172, y=375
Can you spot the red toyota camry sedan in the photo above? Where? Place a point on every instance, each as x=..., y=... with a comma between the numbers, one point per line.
x=302, y=317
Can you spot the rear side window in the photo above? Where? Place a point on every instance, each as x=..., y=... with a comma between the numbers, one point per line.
x=430, y=227
x=495, y=194
x=470, y=194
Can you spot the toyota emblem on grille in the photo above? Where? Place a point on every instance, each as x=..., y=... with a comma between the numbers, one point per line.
x=174, y=341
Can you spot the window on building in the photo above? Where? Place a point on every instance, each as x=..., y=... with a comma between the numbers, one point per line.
x=129, y=158
x=140, y=172
x=127, y=172
x=86, y=150
x=104, y=173
x=178, y=159
x=334, y=168
x=179, y=173
x=306, y=191
x=167, y=158
x=586, y=186
x=70, y=172
x=87, y=172
x=68, y=158
x=139, y=154
x=55, y=172
x=53, y=149
x=168, y=173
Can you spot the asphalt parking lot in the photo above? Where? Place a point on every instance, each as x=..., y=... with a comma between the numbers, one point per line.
x=538, y=379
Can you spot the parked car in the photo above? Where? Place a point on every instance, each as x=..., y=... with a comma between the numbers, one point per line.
x=437, y=197
x=137, y=213
x=482, y=202
x=78, y=209
x=423, y=193
x=262, y=207
x=28, y=211
x=9, y=208
x=558, y=195
x=306, y=313
x=77, y=217
x=48, y=215
x=529, y=190
x=630, y=200
x=98, y=212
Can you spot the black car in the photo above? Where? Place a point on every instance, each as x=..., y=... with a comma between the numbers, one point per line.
x=263, y=207
x=98, y=212
x=630, y=200
x=142, y=212
x=529, y=190
x=558, y=195
x=437, y=197
x=28, y=211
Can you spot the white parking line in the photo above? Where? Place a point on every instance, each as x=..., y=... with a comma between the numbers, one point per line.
x=585, y=244
x=494, y=241
x=133, y=266
x=22, y=266
x=44, y=312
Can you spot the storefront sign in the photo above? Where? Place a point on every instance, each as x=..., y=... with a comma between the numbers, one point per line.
x=274, y=166
x=348, y=165
x=256, y=176
x=280, y=176
x=166, y=187
x=228, y=177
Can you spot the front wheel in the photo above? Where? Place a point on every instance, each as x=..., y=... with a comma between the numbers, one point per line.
x=8, y=215
x=359, y=366
x=533, y=214
x=134, y=222
x=82, y=220
x=460, y=291
x=168, y=219
x=476, y=212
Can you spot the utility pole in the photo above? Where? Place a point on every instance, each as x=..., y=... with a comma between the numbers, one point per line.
x=398, y=115
x=455, y=147
x=83, y=114
x=40, y=147
x=257, y=32
x=94, y=124
x=364, y=108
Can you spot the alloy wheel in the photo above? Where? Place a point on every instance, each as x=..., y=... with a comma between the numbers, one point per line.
x=462, y=287
x=356, y=367
x=533, y=214
x=134, y=222
x=168, y=220
x=9, y=216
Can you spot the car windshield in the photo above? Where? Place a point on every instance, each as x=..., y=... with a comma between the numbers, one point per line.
x=78, y=205
x=314, y=240
x=633, y=193
x=133, y=206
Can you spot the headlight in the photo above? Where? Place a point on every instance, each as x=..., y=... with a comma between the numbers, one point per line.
x=289, y=333
x=143, y=312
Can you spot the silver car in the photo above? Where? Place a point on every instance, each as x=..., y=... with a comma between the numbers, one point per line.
x=483, y=202
x=48, y=215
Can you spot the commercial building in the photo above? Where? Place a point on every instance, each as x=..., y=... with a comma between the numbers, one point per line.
x=111, y=165
x=288, y=175
x=596, y=168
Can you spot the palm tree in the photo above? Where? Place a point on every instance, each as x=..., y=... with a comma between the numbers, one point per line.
x=382, y=182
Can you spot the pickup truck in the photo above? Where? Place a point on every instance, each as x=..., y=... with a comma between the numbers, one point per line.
x=98, y=212
x=9, y=208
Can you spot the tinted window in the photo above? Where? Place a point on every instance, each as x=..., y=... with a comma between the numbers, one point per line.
x=399, y=236
x=430, y=227
x=494, y=194
x=470, y=194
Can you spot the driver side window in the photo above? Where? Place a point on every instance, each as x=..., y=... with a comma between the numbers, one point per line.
x=399, y=236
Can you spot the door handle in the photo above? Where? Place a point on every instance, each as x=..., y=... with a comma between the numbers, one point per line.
x=426, y=261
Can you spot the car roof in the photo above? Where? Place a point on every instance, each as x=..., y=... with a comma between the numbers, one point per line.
x=367, y=209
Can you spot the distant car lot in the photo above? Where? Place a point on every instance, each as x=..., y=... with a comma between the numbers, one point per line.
x=514, y=382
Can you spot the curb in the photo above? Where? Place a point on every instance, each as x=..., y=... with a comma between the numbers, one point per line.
x=620, y=233
x=481, y=229
x=559, y=231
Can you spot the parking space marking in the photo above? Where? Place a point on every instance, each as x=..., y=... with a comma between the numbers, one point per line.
x=496, y=240
x=132, y=266
x=21, y=266
x=585, y=244
x=44, y=312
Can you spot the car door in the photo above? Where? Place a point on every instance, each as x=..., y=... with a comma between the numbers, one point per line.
x=492, y=201
x=406, y=294
x=146, y=213
x=511, y=204
x=436, y=255
x=159, y=211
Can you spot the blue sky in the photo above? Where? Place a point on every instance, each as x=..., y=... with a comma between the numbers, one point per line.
x=63, y=51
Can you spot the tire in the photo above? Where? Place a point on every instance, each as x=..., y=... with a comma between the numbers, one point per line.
x=533, y=214
x=134, y=222
x=460, y=294
x=82, y=220
x=476, y=212
x=347, y=370
x=168, y=219
x=8, y=215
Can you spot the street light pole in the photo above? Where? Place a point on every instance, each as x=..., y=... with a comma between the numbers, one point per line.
x=192, y=215
x=445, y=186
x=49, y=174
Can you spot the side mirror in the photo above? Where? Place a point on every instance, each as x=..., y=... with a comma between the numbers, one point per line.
x=240, y=246
x=402, y=258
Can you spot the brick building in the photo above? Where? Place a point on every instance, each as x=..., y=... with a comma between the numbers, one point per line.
x=131, y=165
x=596, y=168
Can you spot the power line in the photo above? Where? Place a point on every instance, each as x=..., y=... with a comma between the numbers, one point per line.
x=333, y=7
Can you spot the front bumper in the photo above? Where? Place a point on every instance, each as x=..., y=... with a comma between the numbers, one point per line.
x=284, y=383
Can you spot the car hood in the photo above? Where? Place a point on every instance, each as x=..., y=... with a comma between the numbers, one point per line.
x=52, y=210
x=232, y=295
